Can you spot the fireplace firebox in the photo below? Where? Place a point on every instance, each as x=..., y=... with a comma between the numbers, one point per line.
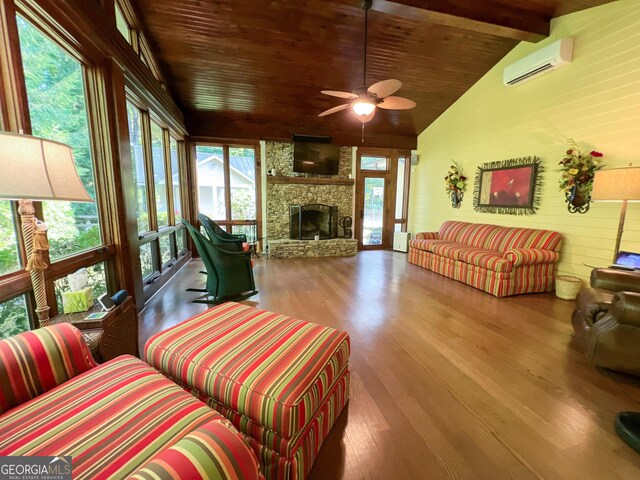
x=307, y=221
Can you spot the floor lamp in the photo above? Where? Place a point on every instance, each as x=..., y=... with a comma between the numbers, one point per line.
x=617, y=185
x=37, y=169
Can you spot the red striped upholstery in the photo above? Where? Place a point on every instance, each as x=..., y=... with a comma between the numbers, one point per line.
x=111, y=420
x=529, y=256
x=273, y=376
x=451, y=250
x=269, y=367
x=526, y=238
x=289, y=458
x=477, y=234
x=214, y=446
x=451, y=230
x=35, y=362
x=427, y=236
x=427, y=244
x=488, y=259
x=493, y=258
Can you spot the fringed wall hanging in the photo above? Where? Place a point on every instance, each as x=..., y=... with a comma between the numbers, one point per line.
x=509, y=187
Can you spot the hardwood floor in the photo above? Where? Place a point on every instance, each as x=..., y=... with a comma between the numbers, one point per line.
x=447, y=381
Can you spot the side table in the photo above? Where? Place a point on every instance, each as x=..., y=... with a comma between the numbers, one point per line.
x=114, y=335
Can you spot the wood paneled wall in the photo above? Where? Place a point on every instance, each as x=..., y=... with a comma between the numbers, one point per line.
x=595, y=100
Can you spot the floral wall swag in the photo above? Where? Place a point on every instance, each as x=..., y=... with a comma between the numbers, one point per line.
x=455, y=184
x=578, y=170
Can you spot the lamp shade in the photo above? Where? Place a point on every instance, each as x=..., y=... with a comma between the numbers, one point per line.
x=616, y=185
x=37, y=169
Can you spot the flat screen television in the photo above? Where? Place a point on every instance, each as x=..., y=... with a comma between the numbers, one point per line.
x=320, y=158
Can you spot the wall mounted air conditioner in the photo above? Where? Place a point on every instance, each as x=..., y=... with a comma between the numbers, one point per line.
x=553, y=56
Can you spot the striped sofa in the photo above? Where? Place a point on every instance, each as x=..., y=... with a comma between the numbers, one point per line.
x=499, y=260
x=119, y=420
x=282, y=382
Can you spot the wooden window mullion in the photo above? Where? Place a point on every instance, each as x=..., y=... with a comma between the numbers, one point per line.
x=168, y=173
x=227, y=184
x=145, y=124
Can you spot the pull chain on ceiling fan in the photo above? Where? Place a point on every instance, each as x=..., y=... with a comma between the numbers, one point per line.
x=364, y=101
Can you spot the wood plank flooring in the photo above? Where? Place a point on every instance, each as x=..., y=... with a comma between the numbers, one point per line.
x=447, y=381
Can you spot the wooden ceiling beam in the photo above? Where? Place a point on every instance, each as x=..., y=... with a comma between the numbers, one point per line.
x=487, y=17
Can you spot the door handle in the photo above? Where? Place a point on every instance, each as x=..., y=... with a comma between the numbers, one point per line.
x=361, y=214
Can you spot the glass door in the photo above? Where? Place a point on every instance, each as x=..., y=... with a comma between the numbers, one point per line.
x=372, y=211
x=382, y=186
x=373, y=195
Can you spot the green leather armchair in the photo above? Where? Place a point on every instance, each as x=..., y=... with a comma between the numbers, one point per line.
x=606, y=320
x=229, y=272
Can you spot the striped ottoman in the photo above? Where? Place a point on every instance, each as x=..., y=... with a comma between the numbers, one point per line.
x=282, y=382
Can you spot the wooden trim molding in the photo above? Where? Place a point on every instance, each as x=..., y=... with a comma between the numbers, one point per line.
x=280, y=179
x=13, y=93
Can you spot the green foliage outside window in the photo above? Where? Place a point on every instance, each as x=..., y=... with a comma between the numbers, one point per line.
x=9, y=261
x=58, y=111
x=14, y=317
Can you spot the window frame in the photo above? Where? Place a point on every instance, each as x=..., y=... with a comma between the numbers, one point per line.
x=228, y=222
x=93, y=79
x=404, y=220
x=156, y=233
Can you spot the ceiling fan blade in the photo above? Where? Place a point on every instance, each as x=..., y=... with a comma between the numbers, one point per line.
x=334, y=110
x=397, y=103
x=385, y=88
x=334, y=93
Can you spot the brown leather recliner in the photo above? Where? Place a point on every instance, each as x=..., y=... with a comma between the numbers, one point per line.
x=607, y=320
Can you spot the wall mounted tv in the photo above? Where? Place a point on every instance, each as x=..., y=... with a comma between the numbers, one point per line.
x=320, y=158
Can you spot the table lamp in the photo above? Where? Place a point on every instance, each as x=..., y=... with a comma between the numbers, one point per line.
x=617, y=185
x=37, y=169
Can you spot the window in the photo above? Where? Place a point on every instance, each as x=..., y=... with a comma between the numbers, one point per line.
x=14, y=317
x=58, y=111
x=146, y=260
x=242, y=179
x=210, y=168
x=175, y=180
x=122, y=25
x=156, y=155
x=165, y=249
x=373, y=163
x=159, y=174
x=9, y=252
x=139, y=169
x=227, y=187
x=181, y=243
x=402, y=194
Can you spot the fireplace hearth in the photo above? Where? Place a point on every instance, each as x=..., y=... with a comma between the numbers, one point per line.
x=307, y=221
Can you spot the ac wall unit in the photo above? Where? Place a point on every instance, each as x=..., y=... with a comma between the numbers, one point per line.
x=401, y=241
x=549, y=58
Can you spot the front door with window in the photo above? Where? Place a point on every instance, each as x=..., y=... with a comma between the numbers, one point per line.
x=381, y=197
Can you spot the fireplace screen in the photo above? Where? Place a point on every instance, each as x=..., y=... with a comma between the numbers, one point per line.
x=307, y=221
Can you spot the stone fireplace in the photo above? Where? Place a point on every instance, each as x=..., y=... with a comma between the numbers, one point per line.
x=307, y=221
x=300, y=206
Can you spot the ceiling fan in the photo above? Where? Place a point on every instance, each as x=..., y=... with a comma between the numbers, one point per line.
x=365, y=101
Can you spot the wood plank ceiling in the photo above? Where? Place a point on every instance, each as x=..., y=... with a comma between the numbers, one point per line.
x=254, y=69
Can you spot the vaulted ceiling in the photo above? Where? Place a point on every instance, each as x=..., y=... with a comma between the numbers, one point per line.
x=255, y=69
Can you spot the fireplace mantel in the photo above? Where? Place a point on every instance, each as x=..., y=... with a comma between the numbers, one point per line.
x=309, y=180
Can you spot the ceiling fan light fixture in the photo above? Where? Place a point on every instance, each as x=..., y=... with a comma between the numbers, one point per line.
x=363, y=108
